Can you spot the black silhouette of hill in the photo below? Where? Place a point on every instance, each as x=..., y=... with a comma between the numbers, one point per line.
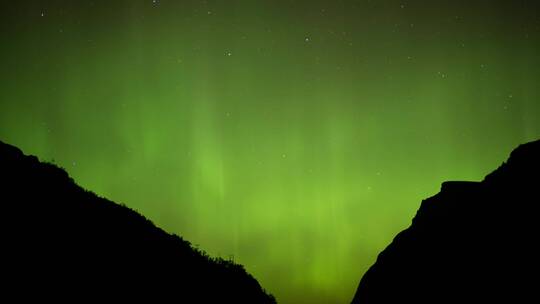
x=63, y=243
x=473, y=242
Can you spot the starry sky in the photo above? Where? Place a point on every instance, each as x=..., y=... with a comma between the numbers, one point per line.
x=295, y=137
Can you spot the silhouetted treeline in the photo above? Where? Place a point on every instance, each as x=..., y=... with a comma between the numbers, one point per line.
x=474, y=242
x=61, y=242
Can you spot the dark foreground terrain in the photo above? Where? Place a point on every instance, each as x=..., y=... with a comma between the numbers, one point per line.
x=63, y=243
x=474, y=242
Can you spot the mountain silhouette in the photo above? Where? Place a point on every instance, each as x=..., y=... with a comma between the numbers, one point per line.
x=473, y=242
x=61, y=242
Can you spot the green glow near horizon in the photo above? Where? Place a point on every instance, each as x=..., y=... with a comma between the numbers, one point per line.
x=298, y=137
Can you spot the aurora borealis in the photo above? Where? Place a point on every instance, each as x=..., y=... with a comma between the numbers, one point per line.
x=296, y=137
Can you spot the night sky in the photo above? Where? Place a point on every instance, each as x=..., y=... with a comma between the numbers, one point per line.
x=296, y=137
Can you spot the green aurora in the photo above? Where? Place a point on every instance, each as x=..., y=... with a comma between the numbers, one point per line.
x=296, y=137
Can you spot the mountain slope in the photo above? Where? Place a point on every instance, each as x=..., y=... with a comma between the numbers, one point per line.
x=472, y=242
x=61, y=242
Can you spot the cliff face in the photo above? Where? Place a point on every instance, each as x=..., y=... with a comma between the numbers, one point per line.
x=62, y=242
x=471, y=242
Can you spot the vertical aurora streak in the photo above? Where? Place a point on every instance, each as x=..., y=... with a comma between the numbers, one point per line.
x=296, y=136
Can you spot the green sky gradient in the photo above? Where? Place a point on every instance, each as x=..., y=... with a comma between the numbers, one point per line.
x=296, y=136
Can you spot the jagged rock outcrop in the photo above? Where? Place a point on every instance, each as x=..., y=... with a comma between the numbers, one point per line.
x=63, y=243
x=473, y=242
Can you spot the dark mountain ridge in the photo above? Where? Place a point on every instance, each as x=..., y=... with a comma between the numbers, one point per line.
x=61, y=242
x=471, y=242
